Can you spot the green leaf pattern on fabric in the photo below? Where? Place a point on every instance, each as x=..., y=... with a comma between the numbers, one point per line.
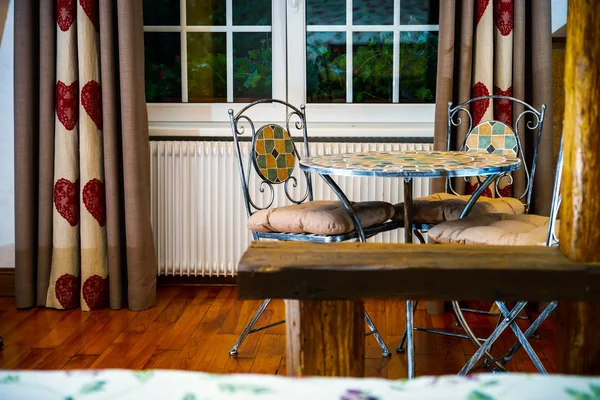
x=92, y=387
x=477, y=395
x=143, y=376
x=594, y=393
x=251, y=389
x=9, y=379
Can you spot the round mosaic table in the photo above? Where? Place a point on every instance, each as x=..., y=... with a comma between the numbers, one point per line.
x=409, y=165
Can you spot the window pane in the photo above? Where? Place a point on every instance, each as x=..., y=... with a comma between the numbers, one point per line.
x=373, y=12
x=419, y=12
x=418, y=66
x=162, y=67
x=256, y=12
x=372, y=65
x=325, y=67
x=161, y=12
x=207, y=67
x=326, y=12
x=205, y=12
x=252, y=70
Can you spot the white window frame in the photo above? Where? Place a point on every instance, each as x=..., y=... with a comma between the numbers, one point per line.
x=361, y=114
x=180, y=115
x=288, y=33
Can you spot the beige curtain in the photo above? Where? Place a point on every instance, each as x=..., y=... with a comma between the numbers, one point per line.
x=82, y=187
x=500, y=56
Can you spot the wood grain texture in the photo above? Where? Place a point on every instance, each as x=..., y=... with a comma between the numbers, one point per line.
x=202, y=342
x=325, y=338
x=312, y=271
x=579, y=327
x=580, y=230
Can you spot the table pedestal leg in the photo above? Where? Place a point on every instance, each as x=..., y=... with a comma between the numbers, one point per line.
x=325, y=338
x=408, y=222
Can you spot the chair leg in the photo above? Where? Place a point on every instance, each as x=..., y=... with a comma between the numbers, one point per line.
x=248, y=328
x=400, y=348
x=522, y=337
x=531, y=331
x=508, y=320
x=410, y=354
x=373, y=330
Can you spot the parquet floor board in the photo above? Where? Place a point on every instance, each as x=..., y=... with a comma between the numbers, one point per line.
x=193, y=328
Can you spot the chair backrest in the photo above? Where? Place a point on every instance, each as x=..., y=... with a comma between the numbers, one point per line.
x=273, y=155
x=552, y=240
x=498, y=137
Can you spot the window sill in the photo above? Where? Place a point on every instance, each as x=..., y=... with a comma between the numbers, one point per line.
x=316, y=129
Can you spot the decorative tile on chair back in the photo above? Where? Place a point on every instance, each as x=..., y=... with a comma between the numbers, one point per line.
x=273, y=152
x=492, y=137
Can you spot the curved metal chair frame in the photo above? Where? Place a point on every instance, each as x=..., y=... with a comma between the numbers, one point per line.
x=459, y=114
x=535, y=125
x=296, y=119
x=507, y=318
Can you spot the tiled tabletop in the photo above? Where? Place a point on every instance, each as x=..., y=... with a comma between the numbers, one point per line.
x=412, y=163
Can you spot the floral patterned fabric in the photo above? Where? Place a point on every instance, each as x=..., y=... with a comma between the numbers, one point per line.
x=157, y=384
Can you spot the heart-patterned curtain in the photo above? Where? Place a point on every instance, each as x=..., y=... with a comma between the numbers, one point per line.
x=487, y=48
x=79, y=273
x=83, y=235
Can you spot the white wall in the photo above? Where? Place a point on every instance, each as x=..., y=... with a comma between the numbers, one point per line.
x=559, y=18
x=7, y=199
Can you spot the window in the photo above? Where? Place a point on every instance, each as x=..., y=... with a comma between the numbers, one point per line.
x=350, y=61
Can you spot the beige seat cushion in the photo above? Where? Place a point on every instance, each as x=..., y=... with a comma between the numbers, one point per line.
x=319, y=217
x=494, y=229
x=440, y=207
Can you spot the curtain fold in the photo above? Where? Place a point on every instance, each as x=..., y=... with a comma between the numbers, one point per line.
x=83, y=234
x=497, y=47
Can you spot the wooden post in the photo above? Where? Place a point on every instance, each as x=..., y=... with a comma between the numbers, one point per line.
x=325, y=338
x=578, y=332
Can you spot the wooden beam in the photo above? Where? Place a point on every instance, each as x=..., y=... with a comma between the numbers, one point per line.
x=325, y=338
x=354, y=271
x=578, y=323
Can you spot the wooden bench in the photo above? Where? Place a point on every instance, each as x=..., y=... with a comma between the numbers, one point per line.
x=325, y=323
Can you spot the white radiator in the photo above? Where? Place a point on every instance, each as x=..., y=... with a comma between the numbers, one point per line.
x=198, y=215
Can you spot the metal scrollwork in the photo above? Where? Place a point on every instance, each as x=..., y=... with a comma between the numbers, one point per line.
x=262, y=190
x=497, y=182
x=294, y=184
x=294, y=119
x=239, y=129
x=534, y=123
x=456, y=120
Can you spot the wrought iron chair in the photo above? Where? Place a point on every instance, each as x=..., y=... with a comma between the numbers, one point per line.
x=271, y=160
x=491, y=229
x=493, y=137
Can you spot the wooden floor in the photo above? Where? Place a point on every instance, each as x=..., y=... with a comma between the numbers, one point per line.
x=192, y=328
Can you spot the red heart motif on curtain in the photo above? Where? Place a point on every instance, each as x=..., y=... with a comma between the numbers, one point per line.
x=480, y=7
x=90, y=7
x=91, y=99
x=504, y=16
x=479, y=107
x=506, y=191
x=65, y=14
x=95, y=292
x=93, y=199
x=67, y=109
x=66, y=290
x=66, y=200
x=472, y=187
x=503, y=108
